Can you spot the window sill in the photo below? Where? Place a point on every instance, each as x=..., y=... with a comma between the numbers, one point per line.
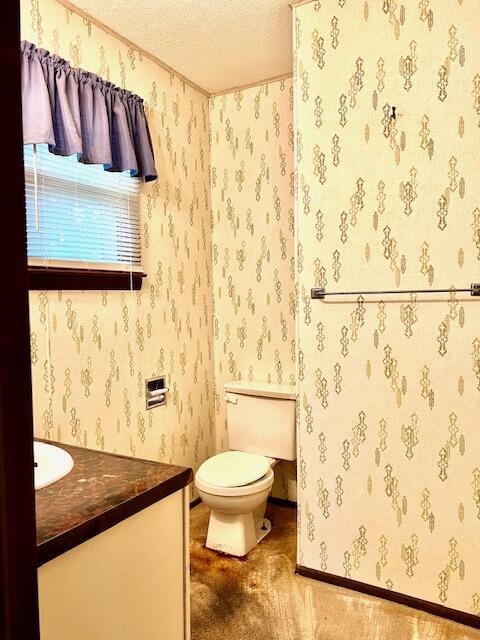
x=70, y=279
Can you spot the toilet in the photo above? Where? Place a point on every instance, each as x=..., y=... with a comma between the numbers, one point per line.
x=235, y=484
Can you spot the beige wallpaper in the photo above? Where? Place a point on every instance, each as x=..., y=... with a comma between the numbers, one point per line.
x=253, y=246
x=389, y=469
x=251, y=142
x=91, y=351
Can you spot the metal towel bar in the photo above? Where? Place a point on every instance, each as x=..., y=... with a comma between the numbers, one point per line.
x=318, y=293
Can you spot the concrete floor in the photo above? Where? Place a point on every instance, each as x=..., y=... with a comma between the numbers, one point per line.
x=260, y=597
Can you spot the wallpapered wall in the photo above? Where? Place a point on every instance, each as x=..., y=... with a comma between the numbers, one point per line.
x=91, y=351
x=89, y=383
x=253, y=246
x=389, y=469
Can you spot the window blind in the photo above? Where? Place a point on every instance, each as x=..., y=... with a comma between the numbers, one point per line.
x=84, y=215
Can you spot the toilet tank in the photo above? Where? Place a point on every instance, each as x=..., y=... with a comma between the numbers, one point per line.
x=261, y=418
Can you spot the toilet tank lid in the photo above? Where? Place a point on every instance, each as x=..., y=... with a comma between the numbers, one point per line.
x=262, y=389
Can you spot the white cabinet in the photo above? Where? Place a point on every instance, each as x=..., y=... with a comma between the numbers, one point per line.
x=130, y=582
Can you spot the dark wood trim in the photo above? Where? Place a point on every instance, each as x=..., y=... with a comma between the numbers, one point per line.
x=468, y=619
x=18, y=555
x=69, y=278
x=195, y=503
x=282, y=502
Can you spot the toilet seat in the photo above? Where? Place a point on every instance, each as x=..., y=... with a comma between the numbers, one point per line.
x=246, y=490
x=233, y=469
x=235, y=473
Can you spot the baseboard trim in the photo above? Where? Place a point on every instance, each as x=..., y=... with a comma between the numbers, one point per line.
x=282, y=502
x=468, y=619
x=195, y=503
x=279, y=501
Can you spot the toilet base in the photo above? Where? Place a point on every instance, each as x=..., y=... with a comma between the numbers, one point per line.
x=235, y=535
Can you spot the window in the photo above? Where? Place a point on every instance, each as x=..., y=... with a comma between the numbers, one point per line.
x=83, y=223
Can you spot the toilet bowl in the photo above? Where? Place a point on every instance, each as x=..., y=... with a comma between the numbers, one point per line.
x=235, y=486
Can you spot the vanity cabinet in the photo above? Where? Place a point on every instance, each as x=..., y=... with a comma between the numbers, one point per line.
x=129, y=581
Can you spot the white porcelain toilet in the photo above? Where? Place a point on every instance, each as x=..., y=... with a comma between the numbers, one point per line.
x=235, y=484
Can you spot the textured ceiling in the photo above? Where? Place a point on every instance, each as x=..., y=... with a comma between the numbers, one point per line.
x=217, y=44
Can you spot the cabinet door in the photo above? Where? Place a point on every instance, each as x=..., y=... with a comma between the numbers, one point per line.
x=127, y=583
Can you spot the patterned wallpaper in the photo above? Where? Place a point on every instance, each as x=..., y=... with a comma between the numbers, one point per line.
x=389, y=468
x=253, y=246
x=91, y=351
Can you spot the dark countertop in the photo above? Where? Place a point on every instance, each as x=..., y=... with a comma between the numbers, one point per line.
x=101, y=490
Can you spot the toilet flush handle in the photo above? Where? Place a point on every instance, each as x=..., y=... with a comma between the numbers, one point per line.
x=231, y=399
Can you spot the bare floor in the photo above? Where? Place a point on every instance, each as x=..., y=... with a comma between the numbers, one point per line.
x=260, y=597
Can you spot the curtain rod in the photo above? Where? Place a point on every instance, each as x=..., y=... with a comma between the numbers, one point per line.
x=318, y=293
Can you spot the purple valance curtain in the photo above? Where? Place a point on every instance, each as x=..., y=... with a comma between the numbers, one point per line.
x=76, y=112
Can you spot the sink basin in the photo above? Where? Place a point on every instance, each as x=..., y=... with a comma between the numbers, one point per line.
x=53, y=463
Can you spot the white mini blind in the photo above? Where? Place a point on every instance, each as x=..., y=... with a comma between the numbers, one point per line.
x=80, y=213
